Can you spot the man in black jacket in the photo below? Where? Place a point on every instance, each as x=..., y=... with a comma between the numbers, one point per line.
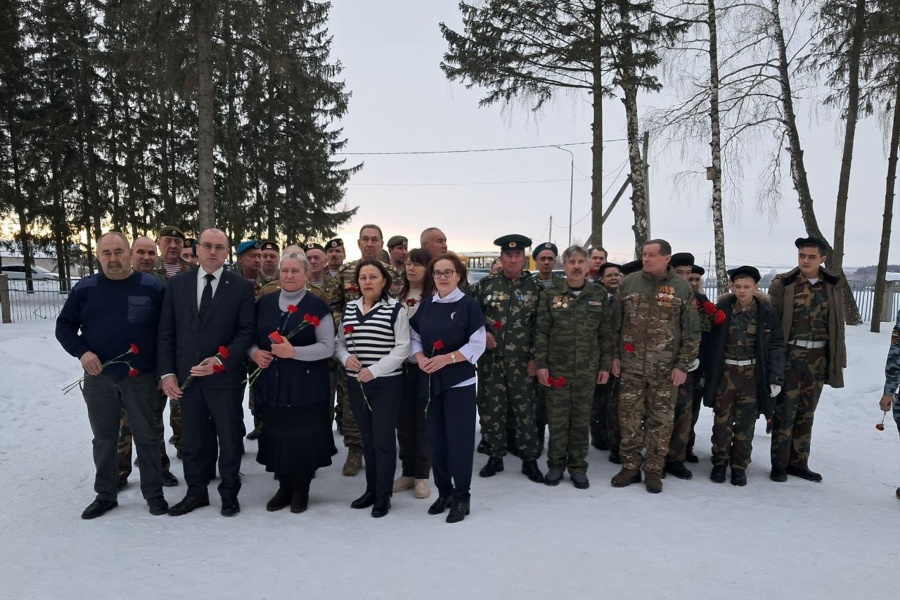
x=745, y=372
x=207, y=325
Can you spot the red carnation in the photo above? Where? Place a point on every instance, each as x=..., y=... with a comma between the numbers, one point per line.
x=348, y=329
x=223, y=352
x=560, y=381
x=698, y=303
x=438, y=345
x=217, y=368
x=551, y=381
x=410, y=301
x=498, y=325
x=133, y=372
x=276, y=338
x=879, y=426
x=292, y=308
x=719, y=317
x=710, y=308
x=134, y=349
x=314, y=320
x=629, y=347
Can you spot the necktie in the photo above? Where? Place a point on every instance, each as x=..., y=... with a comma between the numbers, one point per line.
x=206, y=296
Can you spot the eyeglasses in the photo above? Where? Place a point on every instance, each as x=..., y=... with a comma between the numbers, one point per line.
x=444, y=274
x=210, y=247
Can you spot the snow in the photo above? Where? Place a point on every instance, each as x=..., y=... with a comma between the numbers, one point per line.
x=698, y=540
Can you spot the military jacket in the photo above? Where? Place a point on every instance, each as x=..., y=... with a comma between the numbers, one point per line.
x=573, y=332
x=892, y=368
x=656, y=323
x=510, y=309
x=546, y=283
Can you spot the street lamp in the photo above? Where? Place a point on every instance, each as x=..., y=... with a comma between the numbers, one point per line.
x=571, y=188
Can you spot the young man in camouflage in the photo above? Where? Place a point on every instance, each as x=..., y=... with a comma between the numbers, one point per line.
x=892, y=379
x=658, y=340
x=745, y=372
x=371, y=243
x=506, y=371
x=572, y=355
x=811, y=309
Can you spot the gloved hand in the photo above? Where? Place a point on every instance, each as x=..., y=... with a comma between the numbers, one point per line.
x=693, y=366
x=774, y=390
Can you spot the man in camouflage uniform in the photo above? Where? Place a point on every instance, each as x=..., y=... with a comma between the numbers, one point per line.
x=572, y=355
x=658, y=340
x=170, y=241
x=271, y=256
x=544, y=256
x=249, y=263
x=745, y=372
x=892, y=379
x=598, y=259
x=335, y=253
x=398, y=249
x=143, y=260
x=506, y=371
x=811, y=309
x=683, y=264
x=371, y=243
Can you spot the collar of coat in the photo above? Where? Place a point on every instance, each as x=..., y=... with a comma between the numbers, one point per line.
x=792, y=275
x=761, y=297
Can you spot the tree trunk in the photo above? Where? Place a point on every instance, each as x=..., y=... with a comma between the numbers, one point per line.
x=597, y=135
x=881, y=272
x=716, y=145
x=638, y=204
x=206, y=116
x=840, y=213
x=798, y=168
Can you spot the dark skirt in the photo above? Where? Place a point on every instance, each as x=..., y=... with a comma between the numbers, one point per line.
x=295, y=439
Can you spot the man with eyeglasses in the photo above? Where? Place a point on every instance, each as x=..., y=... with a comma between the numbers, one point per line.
x=506, y=371
x=206, y=327
x=370, y=243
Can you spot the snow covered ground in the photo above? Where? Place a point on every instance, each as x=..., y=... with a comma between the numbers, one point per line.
x=837, y=539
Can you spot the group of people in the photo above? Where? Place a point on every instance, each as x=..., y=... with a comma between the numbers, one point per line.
x=621, y=356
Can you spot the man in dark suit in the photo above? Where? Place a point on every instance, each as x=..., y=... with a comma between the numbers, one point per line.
x=207, y=325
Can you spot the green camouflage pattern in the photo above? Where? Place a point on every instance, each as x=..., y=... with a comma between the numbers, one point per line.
x=682, y=422
x=507, y=387
x=792, y=422
x=810, y=311
x=736, y=412
x=892, y=365
x=741, y=343
x=513, y=305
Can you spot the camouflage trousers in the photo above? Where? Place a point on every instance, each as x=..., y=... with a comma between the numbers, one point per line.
x=569, y=420
x=736, y=412
x=352, y=436
x=123, y=450
x=506, y=386
x=605, y=414
x=895, y=410
x=792, y=422
x=646, y=414
x=681, y=424
x=175, y=422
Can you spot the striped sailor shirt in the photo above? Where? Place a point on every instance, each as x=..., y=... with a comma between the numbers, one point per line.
x=378, y=338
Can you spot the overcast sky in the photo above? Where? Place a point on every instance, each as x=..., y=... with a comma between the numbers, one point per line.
x=401, y=101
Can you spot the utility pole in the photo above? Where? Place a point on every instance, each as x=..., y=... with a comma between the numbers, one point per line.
x=571, y=188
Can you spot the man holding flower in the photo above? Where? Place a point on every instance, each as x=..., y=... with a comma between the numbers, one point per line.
x=109, y=323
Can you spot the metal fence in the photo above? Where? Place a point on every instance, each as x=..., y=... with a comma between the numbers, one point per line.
x=20, y=304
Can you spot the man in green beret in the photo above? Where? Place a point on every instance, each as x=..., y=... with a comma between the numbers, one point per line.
x=506, y=371
x=271, y=254
x=398, y=249
x=544, y=256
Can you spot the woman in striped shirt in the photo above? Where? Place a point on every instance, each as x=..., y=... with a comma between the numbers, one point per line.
x=372, y=344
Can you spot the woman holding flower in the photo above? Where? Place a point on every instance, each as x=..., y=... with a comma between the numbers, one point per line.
x=415, y=455
x=448, y=338
x=373, y=344
x=294, y=342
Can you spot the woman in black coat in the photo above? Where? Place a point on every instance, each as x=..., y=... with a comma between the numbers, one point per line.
x=744, y=372
x=294, y=345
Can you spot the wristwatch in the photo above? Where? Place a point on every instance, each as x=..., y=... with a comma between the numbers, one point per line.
x=453, y=356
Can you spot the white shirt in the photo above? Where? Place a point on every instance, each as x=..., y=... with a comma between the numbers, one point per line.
x=201, y=282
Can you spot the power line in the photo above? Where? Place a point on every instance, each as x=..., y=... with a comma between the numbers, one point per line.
x=470, y=150
x=466, y=183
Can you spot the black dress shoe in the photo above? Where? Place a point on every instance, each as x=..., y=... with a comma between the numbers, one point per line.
x=494, y=465
x=690, y=457
x=98, y=507
x=230, y=506
x=169, y=480
x=778, y=474
x=281, y=499
x=718, y=474
x=381, y=507
x=364, y=501
x=458, y=511
x=803, y=473
x=531, y=470
x=439, y=505
x=188, y=504
x=157, y=505
x=738, y=477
